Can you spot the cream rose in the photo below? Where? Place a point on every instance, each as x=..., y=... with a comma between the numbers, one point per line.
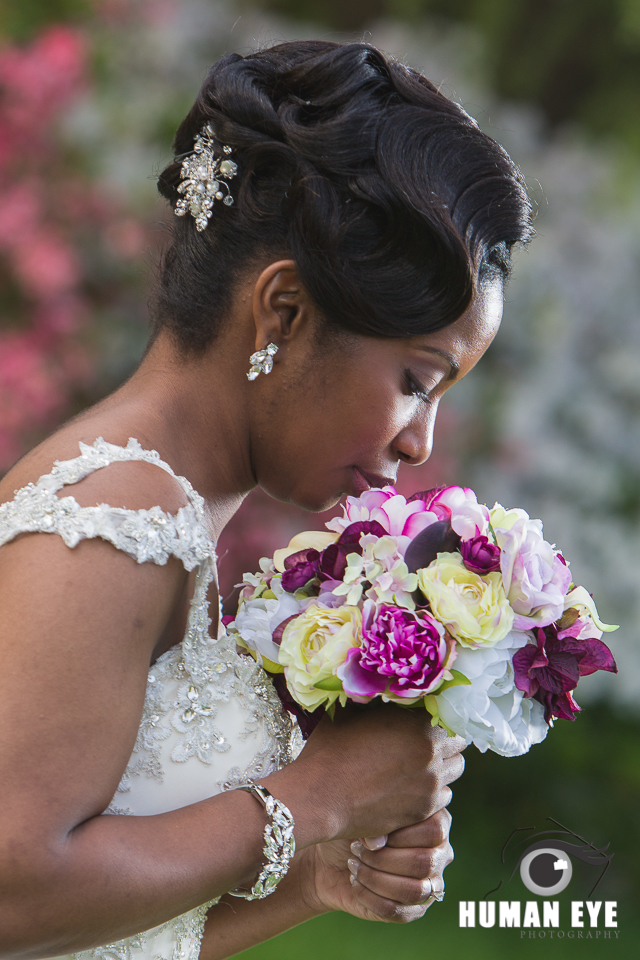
x=313, y=646
x=473, y=608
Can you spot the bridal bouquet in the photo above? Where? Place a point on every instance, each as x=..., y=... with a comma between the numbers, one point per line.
x=434, y=601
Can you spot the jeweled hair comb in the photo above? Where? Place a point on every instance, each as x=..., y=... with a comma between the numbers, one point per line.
x=203, y=177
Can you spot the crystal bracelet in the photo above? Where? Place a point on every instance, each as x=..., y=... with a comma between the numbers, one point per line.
x=279, y=844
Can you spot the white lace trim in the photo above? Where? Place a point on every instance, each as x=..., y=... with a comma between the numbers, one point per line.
x=147, y=535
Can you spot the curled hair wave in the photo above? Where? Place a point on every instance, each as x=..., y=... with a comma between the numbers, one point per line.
x=386, y=194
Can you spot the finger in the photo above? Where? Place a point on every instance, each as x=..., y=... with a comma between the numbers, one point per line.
x=414, y=862
x=453, y=745
x=453, y=768
x=387, y=910
x=427, y=833
x=375, y=843
x=410, y=891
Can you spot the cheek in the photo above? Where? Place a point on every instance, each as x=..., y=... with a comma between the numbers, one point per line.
x=369, y=416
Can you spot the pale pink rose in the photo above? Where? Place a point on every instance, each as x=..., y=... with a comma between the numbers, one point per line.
x=400, y=517
x=460, y=506
x=536, y=579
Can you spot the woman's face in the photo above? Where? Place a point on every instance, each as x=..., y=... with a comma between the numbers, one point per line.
x=339, y=419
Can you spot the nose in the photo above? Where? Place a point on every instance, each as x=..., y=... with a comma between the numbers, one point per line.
x=414, y=443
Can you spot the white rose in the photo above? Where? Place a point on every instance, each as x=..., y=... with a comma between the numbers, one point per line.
x=257, y=619
x=491, y=712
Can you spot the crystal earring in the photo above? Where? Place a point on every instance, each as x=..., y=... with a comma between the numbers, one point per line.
x=262, y=361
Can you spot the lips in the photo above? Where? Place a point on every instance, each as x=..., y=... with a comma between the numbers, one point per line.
x=363, y=481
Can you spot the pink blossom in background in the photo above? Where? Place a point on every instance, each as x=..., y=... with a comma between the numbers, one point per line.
x=29, y=388
x=125, y=237
x=20, y=212
x=46, y=266
x=40, y=79
x=53, y=219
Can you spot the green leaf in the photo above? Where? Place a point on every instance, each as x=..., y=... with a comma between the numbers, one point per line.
x=331, y=683
x=458, y=680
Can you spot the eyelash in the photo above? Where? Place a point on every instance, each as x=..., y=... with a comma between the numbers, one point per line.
x=414, y=388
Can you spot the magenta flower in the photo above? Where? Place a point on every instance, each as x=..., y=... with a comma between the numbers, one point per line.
x=404, y=654
x=332, y=562
x=299, y=568
x=549, y=669
x=480, y=555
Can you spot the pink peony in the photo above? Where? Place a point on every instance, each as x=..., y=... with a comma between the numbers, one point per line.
x=400, y=517
x=460, y=506
x=404, y=654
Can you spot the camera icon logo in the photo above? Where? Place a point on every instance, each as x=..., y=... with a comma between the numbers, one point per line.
x=546, y=871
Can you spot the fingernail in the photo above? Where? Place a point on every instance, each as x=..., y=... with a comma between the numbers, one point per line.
x=352, y=879
x=375, y=843
x=357, y=848
x=354, y=866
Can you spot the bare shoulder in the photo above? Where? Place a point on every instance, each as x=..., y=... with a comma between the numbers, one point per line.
x=133, y=484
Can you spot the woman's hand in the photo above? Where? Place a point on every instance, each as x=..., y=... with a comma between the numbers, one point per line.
x=368, y=773
x=394, y=884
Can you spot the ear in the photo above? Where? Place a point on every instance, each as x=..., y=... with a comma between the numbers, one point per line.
x=280, y=304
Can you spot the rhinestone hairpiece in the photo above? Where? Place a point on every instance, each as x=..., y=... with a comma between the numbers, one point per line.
x=203, y=177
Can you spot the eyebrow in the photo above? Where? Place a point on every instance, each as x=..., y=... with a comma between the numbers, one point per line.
x=454, y=365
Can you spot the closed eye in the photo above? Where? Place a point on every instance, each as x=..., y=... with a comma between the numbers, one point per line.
x=414, y=388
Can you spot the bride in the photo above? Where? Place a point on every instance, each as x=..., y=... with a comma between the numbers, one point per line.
x=347, y=223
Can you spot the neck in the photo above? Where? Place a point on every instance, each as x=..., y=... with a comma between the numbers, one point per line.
x=192, y=410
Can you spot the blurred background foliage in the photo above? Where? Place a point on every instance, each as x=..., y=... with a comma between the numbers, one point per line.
x=91, y=92
x=577, y=60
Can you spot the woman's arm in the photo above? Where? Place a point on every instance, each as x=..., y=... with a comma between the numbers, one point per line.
x=77, y=629
x=393, y=885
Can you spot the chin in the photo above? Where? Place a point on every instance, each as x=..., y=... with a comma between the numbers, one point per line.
x=311, y=500
x=316, y=502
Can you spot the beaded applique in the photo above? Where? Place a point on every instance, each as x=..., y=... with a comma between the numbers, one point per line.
x=185, y=931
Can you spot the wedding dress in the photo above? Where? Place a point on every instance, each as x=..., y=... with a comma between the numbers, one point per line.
x=211, y=718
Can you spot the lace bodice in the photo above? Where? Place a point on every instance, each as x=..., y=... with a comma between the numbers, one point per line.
x=211, y=718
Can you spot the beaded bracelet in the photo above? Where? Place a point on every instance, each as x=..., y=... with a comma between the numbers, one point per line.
x=279, y=844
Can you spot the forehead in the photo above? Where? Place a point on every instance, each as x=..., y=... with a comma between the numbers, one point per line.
x=468, y=338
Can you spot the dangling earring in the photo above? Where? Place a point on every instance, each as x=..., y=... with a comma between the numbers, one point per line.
x=262, y=361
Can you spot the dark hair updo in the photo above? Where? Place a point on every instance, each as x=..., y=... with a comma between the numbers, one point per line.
x=385, y=193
